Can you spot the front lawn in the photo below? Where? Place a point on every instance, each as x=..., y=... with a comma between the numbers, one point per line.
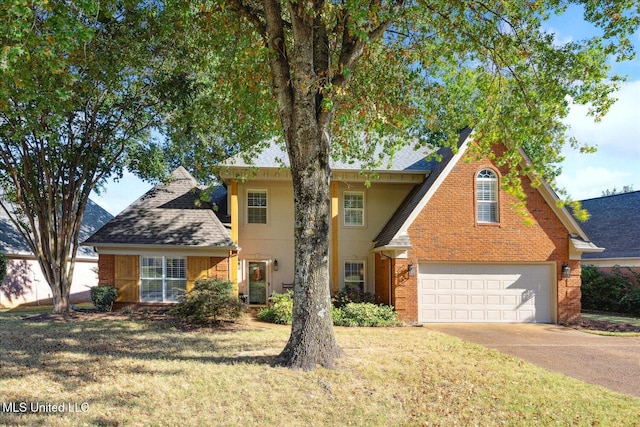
x=122, y=372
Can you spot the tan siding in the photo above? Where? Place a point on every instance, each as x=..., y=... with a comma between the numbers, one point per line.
x=127, y=277
x=197, y=268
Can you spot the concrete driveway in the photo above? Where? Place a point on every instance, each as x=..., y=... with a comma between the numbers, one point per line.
x=612, y=362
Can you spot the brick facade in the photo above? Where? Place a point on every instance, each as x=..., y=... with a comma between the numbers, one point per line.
x=106, y=269
x=446, y=231
x=219, y=268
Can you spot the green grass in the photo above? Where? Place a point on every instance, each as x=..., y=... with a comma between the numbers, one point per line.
x=613, y=318
x=608, y=317
x=149, y=373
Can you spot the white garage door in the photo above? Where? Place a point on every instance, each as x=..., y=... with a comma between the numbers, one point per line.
x=485, y=293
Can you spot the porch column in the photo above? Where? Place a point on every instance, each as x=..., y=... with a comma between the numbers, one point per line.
x=233, y=205
x=334, y=237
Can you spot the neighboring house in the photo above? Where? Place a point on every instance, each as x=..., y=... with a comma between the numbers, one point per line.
x=25, y=283
x=437, y=240
x=156, y=248
x=614, y=223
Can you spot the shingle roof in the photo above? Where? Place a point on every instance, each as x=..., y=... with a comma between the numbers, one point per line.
x=11, y=241
x=168, y=214
x=387, y=236
x=614, y=224
x=274, y=156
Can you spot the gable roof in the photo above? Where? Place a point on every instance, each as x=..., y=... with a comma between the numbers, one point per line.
x=12, y=242
x=406, y=159
x=613, y=223
x=170, y=214
x=394, y=235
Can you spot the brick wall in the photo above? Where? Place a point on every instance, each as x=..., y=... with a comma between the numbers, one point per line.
x=446, y=230
x=106, y=269
x=219, y=268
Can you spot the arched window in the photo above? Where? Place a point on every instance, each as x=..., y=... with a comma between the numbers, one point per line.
x=487, y=196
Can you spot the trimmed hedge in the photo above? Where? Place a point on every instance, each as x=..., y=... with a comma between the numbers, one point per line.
x=280, y=309
x=209, y=301
x=350, y=314
x=103, y=297
x=617, y=292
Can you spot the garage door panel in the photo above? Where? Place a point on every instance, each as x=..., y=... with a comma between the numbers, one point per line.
x=485, y=293
x=461, y=284
x=444, y=284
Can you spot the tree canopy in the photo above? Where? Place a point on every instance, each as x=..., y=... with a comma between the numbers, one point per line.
x=349, y=79
x=83, y=81
x=78, y=97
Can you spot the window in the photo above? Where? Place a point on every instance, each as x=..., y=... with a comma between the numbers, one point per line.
x=163, y=279
x=354, y=275
x=257, y=207
x=353, y=203
x=487, y=196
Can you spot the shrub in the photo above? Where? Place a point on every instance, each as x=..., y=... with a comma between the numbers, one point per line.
x=352, y=294
x=209, y=301
x=617, y=292
x=352, y=314
x=103, y=297
x=364, y=314
x=280, y=310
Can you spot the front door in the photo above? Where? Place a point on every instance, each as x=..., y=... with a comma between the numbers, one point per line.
x=258, y=282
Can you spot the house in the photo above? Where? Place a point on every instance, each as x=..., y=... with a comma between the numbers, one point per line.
x=25, y=283
x=156, y=248
x=613, y=223
x=437, y=240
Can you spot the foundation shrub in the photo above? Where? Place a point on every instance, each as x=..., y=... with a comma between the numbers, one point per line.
x=364, y=314
x=103, y=297
x=210, y=300
x=618, y=291
x=280, y=309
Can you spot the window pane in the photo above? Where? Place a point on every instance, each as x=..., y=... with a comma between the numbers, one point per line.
x=487, y=196
x=176, y=268
x=175, y=290
x=151, y=290
x=257, y=198
x=353, y=206
x=257, y=216
x=354, y=274
x=353, y=217
x=151, y=268
x=163, y=279
x=257, y=207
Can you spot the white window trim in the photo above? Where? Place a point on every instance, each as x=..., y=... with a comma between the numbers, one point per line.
x=495, y=188
x=164, y=277
x=364, y=273
x=344, y=209
x=247, y=207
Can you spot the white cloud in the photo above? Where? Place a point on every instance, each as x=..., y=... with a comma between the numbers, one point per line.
x=617, y=136
x=619, y=130
x=591, y=181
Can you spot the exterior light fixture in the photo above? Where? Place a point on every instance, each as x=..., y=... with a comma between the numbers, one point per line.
x=566, y=271
x=412, y=270
x=275, y=264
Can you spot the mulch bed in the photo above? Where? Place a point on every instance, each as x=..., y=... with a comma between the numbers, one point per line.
x=600, y=325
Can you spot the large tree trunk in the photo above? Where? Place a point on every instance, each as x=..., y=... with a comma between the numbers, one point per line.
x=312, y=341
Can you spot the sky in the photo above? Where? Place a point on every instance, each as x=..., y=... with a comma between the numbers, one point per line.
x=615, y=164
